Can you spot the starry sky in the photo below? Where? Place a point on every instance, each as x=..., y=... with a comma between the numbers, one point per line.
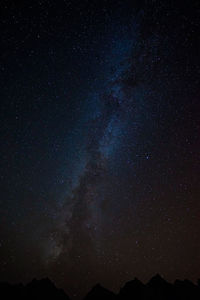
x=100, y=141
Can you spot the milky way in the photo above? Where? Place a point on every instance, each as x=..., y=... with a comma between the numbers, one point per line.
x=100, y=142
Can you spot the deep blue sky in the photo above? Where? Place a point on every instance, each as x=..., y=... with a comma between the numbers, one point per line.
x=99, y=141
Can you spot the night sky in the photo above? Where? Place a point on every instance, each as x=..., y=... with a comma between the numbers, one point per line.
x=100, y=141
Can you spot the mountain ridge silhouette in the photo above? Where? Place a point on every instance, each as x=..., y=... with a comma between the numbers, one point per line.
x=157, y=288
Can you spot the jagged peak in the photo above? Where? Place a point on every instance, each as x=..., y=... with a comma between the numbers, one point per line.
x=99, y=291
x=133, y=283
x=44, y=282
x=156, y=279
x=98, y=286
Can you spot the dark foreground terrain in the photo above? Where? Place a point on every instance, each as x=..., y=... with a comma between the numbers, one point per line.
x=157, y=288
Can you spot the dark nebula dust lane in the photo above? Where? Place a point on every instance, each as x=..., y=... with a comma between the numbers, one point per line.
x=100, y=142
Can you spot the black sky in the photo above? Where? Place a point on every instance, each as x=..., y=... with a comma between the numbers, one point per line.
x=100, y=141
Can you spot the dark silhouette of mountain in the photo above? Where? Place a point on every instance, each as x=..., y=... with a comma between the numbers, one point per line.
x=36, y=289
x=132, y=289
x=157, y=280
x=156, y=289
x=44, y=288
x=99, y=293
x=186, y=290
x=159, y=288
x=9, y=291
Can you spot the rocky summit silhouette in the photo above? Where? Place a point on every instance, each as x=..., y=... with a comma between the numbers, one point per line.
x=44, y=288
x=156, y=288
x=186, y=289
x=99, y=293
x=159, y=288
x=133, y=289
x=36, y=289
